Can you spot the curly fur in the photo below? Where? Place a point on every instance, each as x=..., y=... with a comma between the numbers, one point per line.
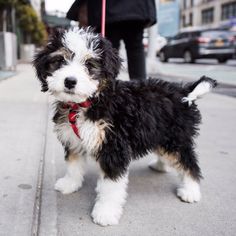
x=126, y=120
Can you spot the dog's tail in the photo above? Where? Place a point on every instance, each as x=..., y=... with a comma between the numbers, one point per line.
x=199, y=88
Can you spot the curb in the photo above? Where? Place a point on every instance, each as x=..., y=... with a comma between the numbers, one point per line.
x=38, y=196
x=8, y=76
x=189, y=79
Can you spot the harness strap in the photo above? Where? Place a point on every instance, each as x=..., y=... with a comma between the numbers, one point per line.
x=73, y=113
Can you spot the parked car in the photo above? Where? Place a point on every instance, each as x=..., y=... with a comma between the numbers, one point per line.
x=234, y=35
x=218, y=44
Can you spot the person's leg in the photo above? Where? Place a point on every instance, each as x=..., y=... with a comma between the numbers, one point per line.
x=113, y=35
x=133, y=37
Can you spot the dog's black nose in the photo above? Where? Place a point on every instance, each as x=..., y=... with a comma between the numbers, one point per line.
x=70, y=82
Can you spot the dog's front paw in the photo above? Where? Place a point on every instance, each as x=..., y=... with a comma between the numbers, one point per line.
x=189, y=193
x=67, y=185
x=105, y=215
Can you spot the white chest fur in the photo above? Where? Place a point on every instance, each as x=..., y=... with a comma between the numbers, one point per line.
x=92, y=134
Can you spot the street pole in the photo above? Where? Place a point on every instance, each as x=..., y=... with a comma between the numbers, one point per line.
x=151, y=61
x=152, y=33
x=13, y=19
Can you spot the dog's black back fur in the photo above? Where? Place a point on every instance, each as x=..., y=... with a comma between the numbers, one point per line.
x=146, y=115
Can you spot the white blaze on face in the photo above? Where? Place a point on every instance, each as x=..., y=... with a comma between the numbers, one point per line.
x=76, y=42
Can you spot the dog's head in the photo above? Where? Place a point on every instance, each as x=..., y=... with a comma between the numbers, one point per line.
x=75, y=64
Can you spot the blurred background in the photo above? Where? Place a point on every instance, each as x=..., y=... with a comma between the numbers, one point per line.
x=186, y=29
x=192, y=38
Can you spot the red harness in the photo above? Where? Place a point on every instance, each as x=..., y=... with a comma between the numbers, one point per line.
x=74, y=108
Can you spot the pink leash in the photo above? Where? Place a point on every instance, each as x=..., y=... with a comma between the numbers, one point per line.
x=103, y=18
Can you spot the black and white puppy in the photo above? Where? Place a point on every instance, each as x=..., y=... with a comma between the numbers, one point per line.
x=115, y=122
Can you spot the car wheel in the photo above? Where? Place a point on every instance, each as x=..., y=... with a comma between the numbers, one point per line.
x=188, y=57
x=163, y=57
x=222, y=60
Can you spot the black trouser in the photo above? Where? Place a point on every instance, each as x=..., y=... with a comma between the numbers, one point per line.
x=132, y=34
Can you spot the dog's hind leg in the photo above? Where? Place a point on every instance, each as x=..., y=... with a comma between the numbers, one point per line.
x=189, y=190
x=160, y=164
x=74, y=176
x=185, y=162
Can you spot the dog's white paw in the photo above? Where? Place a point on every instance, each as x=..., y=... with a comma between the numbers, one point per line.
x=67, y=185
x=105, y=215
x=189, y=193
x=159, y=166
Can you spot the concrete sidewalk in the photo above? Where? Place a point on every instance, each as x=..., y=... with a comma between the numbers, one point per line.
x=6, y=74
x=152, y=207
x=23, y=120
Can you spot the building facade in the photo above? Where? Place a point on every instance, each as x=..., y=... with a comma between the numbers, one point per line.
x=207, y=13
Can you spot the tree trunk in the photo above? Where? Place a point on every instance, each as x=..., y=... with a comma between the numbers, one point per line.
x=1, y=19
x=4, y=22
x=13, y=19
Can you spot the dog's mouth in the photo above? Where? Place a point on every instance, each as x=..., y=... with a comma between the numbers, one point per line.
x=69, y=91
x=69, y=95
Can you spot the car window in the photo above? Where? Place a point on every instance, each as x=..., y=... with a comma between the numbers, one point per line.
x=216, y=34
x=177, y=37
x=186, y=35
x=194, y=34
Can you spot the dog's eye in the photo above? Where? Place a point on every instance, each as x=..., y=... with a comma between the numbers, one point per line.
x=59, y=60
x=88, y=64
x=55, y=63
x=91, y=65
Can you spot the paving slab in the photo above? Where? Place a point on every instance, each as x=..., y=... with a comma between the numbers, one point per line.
x=23, y=116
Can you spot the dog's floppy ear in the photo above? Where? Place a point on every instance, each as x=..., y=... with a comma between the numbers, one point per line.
x=40, y=61
x=111, y=62
x=39, y=65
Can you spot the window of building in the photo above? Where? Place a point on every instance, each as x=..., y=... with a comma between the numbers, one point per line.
x=185, y=4
x=191, y=19
x=183, y=20
x=228, y=11
x=208, y=16
x=206, y=1
x=192, y=3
